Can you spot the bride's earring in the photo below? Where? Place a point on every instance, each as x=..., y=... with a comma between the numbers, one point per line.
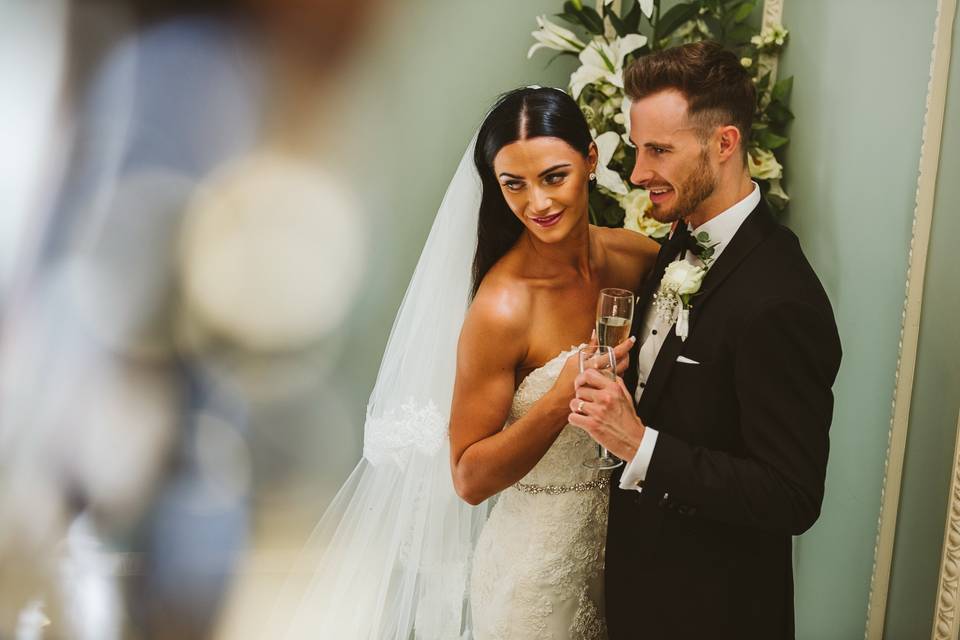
x=593, y=176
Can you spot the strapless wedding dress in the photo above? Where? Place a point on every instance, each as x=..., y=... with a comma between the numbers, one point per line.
x=538, y=565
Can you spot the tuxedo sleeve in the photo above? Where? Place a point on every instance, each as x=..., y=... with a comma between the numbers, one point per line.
x=785, y=363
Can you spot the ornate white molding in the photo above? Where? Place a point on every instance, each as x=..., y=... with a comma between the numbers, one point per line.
x=772, y=16
x=946, y=623
x=772, y=12
x=910, y=318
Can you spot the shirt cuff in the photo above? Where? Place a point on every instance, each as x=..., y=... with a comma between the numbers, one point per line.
x=636, y=470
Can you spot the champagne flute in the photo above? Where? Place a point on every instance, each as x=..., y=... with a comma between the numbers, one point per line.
x=614, y=316
x=602, y=359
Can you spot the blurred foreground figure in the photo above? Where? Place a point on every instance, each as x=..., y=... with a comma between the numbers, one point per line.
x=181, y=236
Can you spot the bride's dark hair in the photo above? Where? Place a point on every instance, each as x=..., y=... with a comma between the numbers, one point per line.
x=517, y=115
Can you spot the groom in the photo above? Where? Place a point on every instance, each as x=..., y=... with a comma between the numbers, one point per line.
x=723, y=416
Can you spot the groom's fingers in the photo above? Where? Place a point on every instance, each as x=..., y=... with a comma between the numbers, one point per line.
x=623, y=363
x=591, y=378
x=622, y=353
x=589, y=394
x=581, y=406
x=583, y=422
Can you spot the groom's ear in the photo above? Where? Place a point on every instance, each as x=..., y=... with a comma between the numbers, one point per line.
x=729, y=139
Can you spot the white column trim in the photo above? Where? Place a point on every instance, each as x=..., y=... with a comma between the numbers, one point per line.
x=910, y=320
x=946, y=622
x=772, y=17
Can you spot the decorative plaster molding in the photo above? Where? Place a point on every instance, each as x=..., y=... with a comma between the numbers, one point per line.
x=910, y=322
x=772, y=16
x=946, y=623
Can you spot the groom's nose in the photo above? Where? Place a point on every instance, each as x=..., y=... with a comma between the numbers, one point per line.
x=640, y=175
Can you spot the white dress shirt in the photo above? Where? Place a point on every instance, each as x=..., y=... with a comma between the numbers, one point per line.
x=721, y=230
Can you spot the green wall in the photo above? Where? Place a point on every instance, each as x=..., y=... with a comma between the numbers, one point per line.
x=936, y=400
x=861, y=72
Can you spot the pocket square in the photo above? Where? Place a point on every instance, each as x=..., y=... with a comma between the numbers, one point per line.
x=686, y=360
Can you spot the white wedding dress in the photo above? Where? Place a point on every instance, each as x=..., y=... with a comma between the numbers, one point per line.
x=398, y=555
x=538, y=566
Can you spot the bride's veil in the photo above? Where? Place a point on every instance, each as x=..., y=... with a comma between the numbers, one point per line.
x=390, y=558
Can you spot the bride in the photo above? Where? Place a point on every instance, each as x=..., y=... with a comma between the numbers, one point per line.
x=399, y=555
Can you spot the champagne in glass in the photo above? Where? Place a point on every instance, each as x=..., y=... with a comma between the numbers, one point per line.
x=603, y=360
x=612, y=330
x=614, y=316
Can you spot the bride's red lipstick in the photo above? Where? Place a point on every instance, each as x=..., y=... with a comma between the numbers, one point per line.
x=548, y=221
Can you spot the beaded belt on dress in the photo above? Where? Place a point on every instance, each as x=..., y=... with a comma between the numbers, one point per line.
x=556, y=489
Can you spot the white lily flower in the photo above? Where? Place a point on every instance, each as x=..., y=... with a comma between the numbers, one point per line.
x=552, y=36
x=607, y=144
x=586, y=74
x=763, y=165
x=625, y=112
x=602, y=61
x=776, y=190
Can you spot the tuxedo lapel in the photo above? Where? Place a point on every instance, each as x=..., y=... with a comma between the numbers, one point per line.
x=754, y=229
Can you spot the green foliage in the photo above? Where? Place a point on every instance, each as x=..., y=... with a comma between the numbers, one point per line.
x=673, y=18
x=583, y=16
x=605, y=211
x=743, y=11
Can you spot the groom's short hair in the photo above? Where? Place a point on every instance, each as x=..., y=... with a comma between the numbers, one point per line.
x=718, y=89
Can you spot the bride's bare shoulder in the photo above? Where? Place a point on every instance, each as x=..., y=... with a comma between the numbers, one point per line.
x=629, y=245
x=630, y=255
x=498, y=316
x=502, y=303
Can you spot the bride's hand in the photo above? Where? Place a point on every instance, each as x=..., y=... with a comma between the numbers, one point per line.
x=565, y=384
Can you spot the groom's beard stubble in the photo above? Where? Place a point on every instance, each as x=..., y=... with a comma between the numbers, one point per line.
x=699, y=185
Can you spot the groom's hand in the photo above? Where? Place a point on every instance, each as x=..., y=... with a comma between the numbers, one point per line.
x=604, y=409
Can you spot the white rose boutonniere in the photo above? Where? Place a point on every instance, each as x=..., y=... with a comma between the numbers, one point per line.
x=680, y=282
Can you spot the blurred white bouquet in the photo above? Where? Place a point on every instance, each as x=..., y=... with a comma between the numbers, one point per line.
x=611, y=38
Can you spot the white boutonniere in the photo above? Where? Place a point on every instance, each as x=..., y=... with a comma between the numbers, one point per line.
x=672, y=300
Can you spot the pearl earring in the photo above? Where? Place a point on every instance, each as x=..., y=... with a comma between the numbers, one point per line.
x=593, y=176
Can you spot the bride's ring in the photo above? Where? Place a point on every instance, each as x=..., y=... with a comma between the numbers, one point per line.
x=580, y=407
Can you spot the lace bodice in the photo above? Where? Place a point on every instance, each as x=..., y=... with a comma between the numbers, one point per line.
x=538, y=568
x=561, y=464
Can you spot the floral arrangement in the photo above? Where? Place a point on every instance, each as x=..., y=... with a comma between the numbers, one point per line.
x=609, y=38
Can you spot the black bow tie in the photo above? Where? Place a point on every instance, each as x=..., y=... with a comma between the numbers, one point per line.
x=699, y=245
x=683, y=240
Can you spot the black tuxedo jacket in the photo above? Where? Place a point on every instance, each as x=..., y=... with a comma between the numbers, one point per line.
x=704, y=551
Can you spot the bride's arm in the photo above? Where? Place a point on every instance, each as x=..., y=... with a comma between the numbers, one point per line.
x=486, y=458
